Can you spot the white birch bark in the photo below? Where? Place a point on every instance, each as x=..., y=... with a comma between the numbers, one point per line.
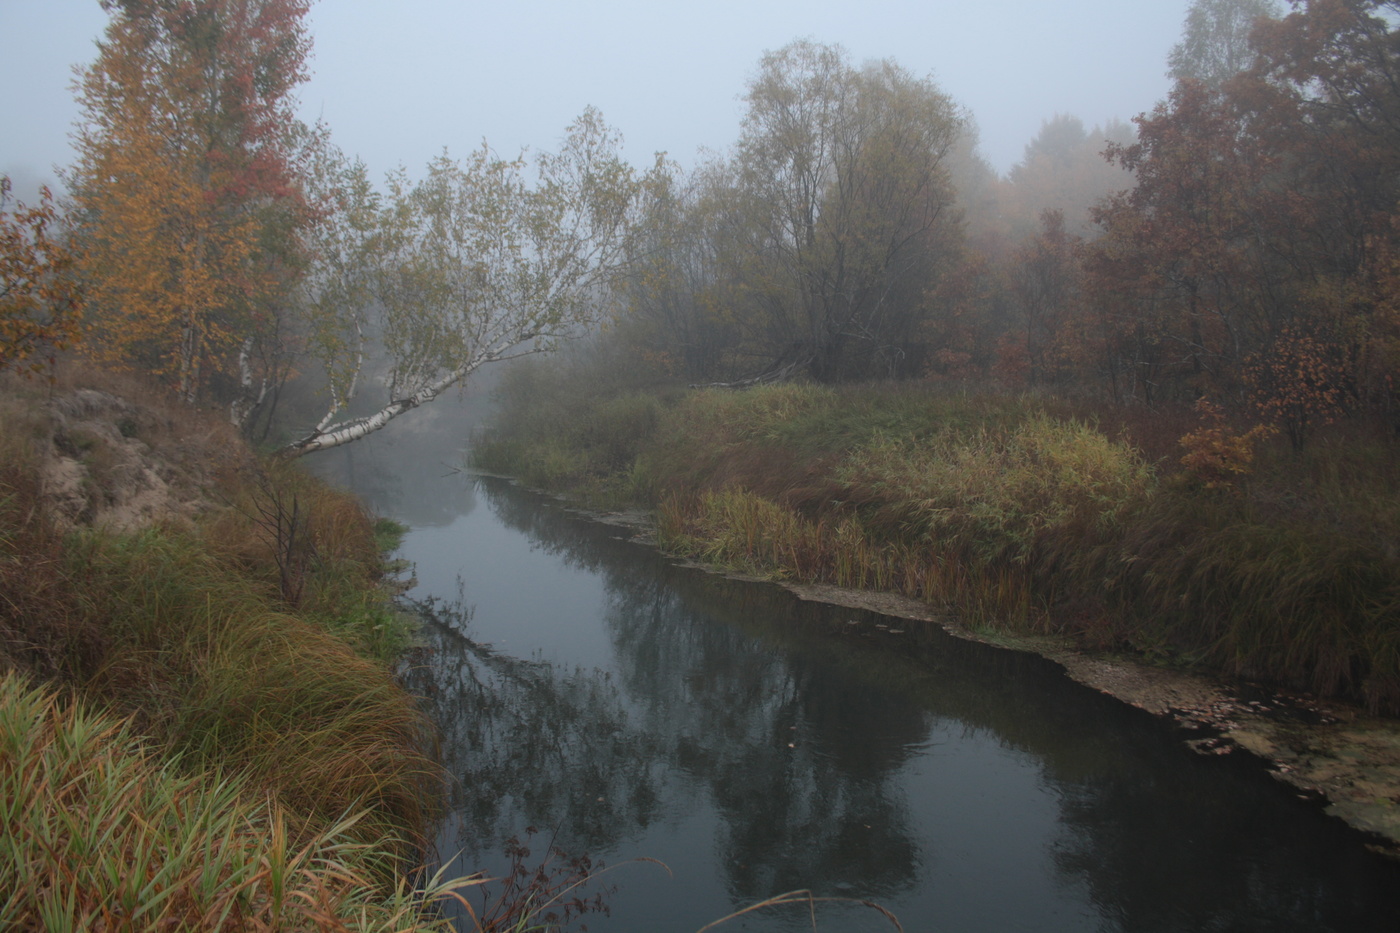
x=474, y=264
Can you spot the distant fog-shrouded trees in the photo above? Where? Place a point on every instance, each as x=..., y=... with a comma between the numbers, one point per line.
x=841, y=176
x=814, y=247
x=1064, y=170
x=1240, y=241
x=1215, y=43
x=854, y=233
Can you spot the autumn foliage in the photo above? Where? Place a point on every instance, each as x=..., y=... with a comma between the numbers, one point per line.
x=1217, y=456
x=39, y=300
x=186, y=182
x=1250, y=259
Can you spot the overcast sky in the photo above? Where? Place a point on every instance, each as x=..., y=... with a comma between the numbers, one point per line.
x=397, y=80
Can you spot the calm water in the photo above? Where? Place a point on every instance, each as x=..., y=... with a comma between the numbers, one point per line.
x=755, y=744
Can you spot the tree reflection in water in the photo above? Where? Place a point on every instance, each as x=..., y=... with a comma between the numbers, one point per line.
x=529, y=743
x=826, y=760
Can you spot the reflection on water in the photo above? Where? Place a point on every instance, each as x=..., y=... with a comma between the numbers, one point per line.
x=758, y=744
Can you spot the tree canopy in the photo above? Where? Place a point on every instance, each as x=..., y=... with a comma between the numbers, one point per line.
x=1238, y=241
x=39, y=299
x=1215, y=43
x=186, y=184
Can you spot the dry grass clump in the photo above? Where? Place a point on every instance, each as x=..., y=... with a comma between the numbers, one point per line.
x=219, y=671
x=315, y=549
x=216, y=671
x=99, y=834
x=1301, y=594
x=38, y=623
x=988, y=494
x=939, y=511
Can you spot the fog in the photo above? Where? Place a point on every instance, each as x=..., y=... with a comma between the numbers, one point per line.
x=399, y=82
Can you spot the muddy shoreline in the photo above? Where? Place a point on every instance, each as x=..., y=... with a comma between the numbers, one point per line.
x=1326, y=750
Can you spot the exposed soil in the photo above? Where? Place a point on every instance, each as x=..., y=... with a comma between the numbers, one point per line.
x=111, y=463
x=1325, y=749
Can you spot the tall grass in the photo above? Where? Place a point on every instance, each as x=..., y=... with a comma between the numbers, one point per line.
x=256, y=642
x=98, y=832
x=1024, y=515
x=217, y=670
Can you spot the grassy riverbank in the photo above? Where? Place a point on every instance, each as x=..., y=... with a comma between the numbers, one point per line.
x=1246, y=559
x=199, y=723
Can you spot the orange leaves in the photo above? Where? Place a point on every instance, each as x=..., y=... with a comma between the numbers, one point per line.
x=187, y=184
x=1299, y=382
x=39, y=302
x=1215, y=455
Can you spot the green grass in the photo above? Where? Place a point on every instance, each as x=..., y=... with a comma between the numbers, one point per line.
x=221, y=672
x=252, y=648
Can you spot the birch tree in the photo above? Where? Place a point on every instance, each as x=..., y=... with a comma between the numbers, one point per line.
x=188, y=206
x=482, y=260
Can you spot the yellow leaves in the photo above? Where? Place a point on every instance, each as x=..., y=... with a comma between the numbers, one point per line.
x=39, y=301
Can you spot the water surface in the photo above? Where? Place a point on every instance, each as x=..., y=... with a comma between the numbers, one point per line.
x=628, y=707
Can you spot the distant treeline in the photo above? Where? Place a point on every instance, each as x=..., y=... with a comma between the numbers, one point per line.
x=1239, y=243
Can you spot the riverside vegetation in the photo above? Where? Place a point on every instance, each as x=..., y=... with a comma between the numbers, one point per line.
x=200, y=723
x=1171, y=535
x=200, y=726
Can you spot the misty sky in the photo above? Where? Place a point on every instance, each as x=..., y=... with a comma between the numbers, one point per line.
x=397, y=81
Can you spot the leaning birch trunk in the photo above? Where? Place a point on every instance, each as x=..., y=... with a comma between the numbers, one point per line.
x=327, y=435
x=474, y=264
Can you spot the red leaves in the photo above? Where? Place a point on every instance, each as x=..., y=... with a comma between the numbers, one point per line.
x=1298, y=382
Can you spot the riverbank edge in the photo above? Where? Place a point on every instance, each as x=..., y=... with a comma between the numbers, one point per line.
x=1327, y=751
x=106, y=464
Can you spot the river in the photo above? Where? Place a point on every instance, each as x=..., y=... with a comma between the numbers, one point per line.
x=632, y=709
